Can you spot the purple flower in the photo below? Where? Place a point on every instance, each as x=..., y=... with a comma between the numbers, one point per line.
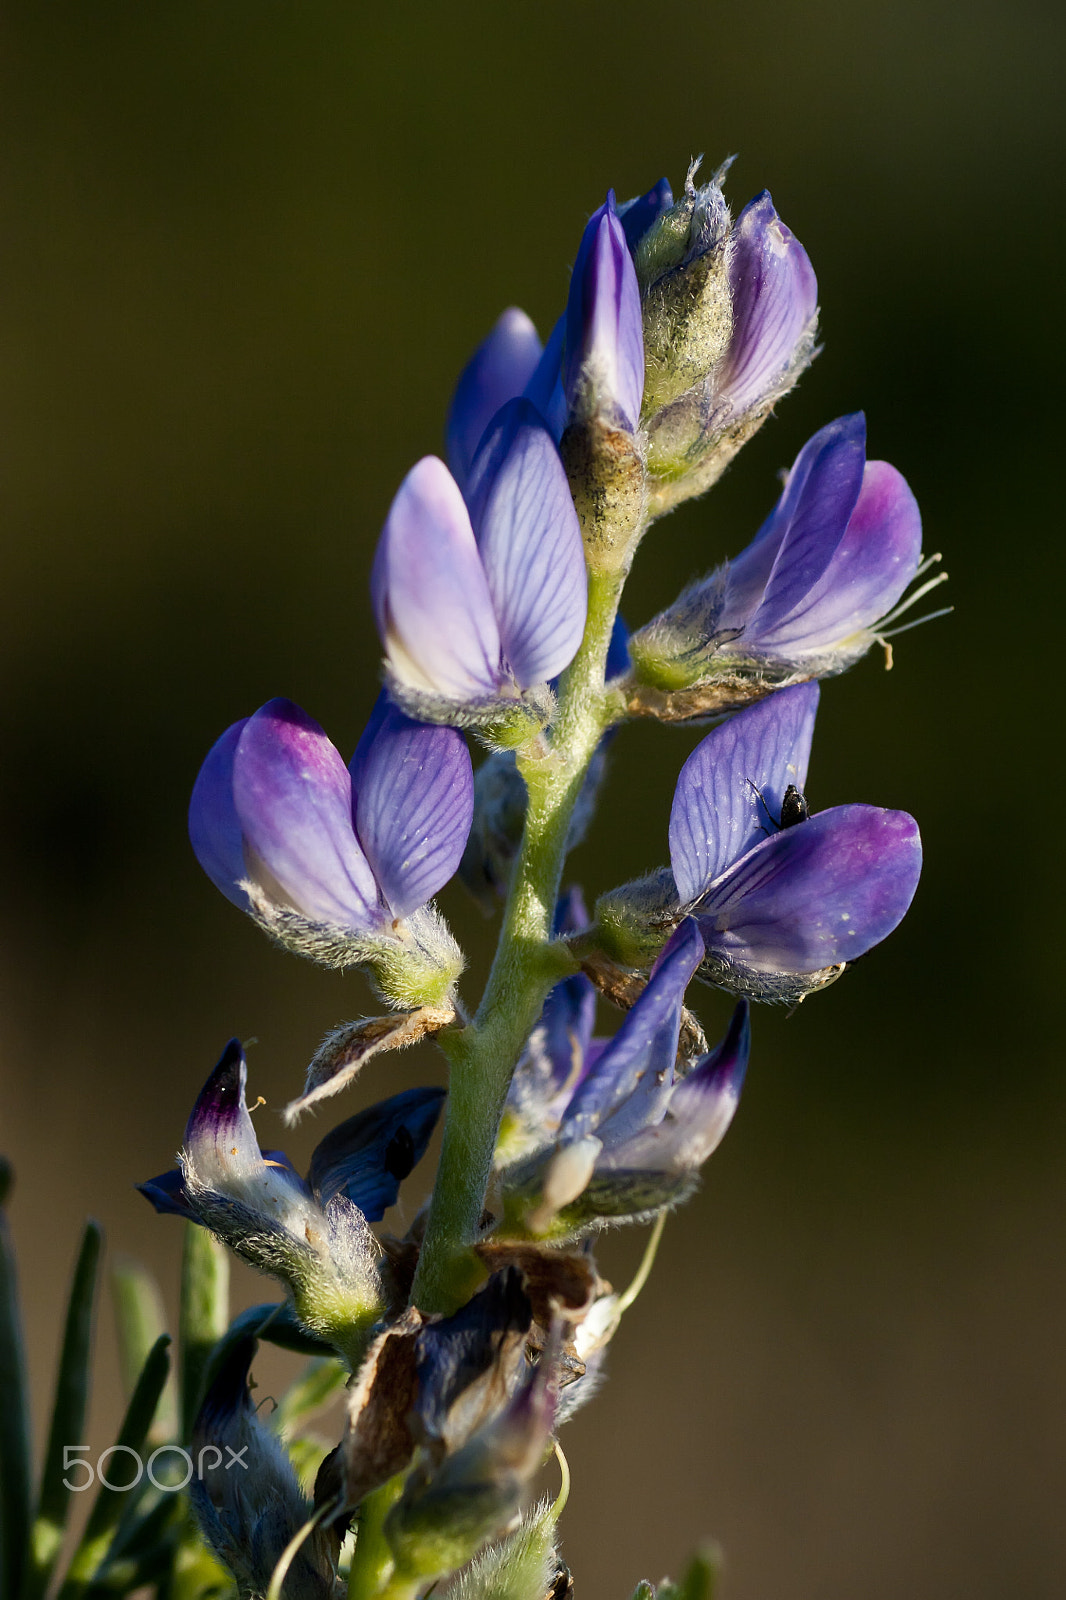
x=476, y=607
x=312, y=1234
x=782, y=908
x=775, y=310
x=337, y=863
x=498, y=371
x=604, y=364
x=730, y=321
x=612, y=1130
x=813, y=590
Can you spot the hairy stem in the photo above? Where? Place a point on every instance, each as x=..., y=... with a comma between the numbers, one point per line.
x=482, y=1056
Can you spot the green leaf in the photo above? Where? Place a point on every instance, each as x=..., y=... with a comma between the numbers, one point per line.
x=109, y=1505
x=313, y=1389
x=73, y=1382
x=203, y=1316
x=701, y=1580
x=15, y=1465
x=139, y=1319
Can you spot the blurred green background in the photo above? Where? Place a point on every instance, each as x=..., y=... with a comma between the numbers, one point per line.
x=247, y=249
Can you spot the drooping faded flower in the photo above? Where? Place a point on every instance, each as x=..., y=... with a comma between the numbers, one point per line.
x=611, y=1130
x=814, y=589
x=311, y=1233
x=339, y=863
x=480, y=602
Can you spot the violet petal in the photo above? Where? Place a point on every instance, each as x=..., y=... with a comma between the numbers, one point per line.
x=817, y=894
x=367, y=1157
x=414, y=803
x=775, y=298
x=294, y=799
x=529, y=540
x=645, y=1047
x=214, y=827
x=431, y=598
x=717, y=814
x=604, y=366
x=499, y=369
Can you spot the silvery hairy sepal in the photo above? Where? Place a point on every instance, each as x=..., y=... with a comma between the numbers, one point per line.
x=686, y=300
x=480, y=601
x=743, y=341
x=623, y=1127
x=339, y=863
x=245, y=1495
x=312, y=1234
x=808, y=597
x=783, y=899
x=603, y=379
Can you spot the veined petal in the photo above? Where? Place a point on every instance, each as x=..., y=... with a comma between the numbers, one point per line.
x=529, y=540
x=604, y=368
x=870, y=568
x=499, y=369
x=643, y=1051
x=214, y=827
x=431, y=599
x=293, y=796
x=817, y=894
x=717, y=814
x=367, y=1157
x=775, y=300
x=637, y=216
x=414, y=802
x=822, y=492
x=545, y=388
x=700, y=1110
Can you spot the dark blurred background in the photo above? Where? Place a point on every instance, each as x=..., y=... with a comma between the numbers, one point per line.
x=246, y=250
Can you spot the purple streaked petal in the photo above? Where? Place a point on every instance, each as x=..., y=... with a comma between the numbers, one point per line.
x=604, y=368
x=809, y=521
x=294, y=799
x=870, y=568
x=214, y=828
x=775, y=298
x=545, y=388
x=637, y=216
x=529, y=540
x=431, y=599
x=414, y=802
x=500, y=368
x=638, y=1063
x=817, y=894
x=717, y=816
x=367, y=1157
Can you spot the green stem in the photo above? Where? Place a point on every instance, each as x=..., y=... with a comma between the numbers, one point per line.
x=482, y=1056
x=373, y=1566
